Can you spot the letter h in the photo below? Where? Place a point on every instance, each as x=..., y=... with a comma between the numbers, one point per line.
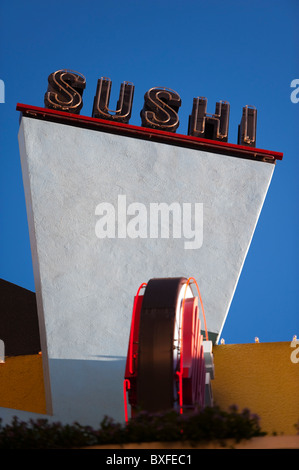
x=209, y=126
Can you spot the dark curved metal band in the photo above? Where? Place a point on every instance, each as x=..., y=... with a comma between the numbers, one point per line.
x=155, y=358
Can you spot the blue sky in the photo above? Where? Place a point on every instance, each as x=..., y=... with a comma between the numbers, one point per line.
x=245, y=52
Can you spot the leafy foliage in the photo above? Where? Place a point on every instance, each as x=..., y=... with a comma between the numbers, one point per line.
x=204, y=425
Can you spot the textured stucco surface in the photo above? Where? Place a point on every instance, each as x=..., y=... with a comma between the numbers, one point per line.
x=85, y=285
x=261, y=377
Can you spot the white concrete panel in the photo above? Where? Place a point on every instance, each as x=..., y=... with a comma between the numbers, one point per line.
x=85, y=285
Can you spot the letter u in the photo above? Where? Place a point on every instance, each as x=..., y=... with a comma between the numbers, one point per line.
x=124, y=105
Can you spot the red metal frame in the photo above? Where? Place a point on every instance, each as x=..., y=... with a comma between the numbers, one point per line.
x=126, y=386
x=150, y=134
x=189, y=359
x=191, y=373
x=191, y=352
x=131, y=363
x=132, y=353
x=193, y=367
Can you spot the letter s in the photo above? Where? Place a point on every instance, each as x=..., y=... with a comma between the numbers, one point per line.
x=294, y=97
x=65, y=89
x=160, y=109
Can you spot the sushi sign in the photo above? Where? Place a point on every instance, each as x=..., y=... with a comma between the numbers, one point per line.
x=160, y=109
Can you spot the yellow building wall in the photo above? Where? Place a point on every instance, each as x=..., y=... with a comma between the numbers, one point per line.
x=262, y=378
x=22, y=384
x=258, y=376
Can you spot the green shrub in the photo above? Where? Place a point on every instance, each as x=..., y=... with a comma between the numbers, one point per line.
x=204, y=425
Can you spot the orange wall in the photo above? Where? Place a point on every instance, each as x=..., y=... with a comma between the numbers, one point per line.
x=21, y=384
x=259, y=376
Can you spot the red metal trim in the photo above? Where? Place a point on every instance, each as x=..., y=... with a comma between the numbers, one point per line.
x=150, y=134
x=129, y=383
x=126, y=387
x=133, y=334
x=184, y=369
x=193, y=367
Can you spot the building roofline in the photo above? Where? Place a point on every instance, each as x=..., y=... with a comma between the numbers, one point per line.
x=156, y=135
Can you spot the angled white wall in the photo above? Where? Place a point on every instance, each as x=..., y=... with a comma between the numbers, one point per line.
x=85, y=285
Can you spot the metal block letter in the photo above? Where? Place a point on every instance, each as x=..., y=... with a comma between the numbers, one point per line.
x=247, y=127
x=160, y=109
x=65, y=90
x=209, y=126
x=101, y=101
